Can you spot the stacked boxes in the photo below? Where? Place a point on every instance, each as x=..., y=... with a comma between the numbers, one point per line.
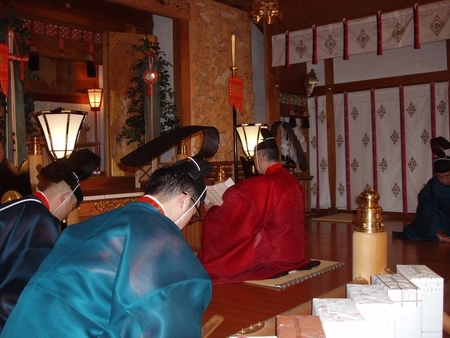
x=299, y=327
x=376, y=307
x=432, y=288
x=339, y=317
x=407, y=299
x=407, y=304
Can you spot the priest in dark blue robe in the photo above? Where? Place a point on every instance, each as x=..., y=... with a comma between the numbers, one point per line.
x=433, y=209
x=30, y=226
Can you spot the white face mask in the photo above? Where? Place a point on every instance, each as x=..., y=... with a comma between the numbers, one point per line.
x=198, y=199
x=59, y=206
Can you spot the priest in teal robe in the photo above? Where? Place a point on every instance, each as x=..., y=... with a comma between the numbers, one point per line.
x=126, y=273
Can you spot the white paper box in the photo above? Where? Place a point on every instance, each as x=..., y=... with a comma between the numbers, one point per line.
x=339, y=317
x=376, y=307
x=432, y=288
x=407, y=299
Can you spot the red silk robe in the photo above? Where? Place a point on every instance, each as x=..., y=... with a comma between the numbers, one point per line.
x=258, y=231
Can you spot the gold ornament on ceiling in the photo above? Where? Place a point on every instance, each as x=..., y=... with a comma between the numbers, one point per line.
x=267, y=10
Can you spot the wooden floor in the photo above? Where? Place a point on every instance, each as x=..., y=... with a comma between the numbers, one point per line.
x=242, y=305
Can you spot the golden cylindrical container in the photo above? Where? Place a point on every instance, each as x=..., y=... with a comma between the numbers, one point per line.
x=183, y=151
x=35, y=161
x=369, y=238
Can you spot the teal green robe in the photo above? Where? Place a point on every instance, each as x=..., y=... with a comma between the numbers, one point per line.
x=125, y=273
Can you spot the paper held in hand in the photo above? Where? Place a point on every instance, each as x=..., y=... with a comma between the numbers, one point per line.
x=215, y=192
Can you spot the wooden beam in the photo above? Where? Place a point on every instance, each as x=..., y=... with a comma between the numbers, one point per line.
x=93, y=15
x=79, y=98
x=172, y=9
x=405, y=80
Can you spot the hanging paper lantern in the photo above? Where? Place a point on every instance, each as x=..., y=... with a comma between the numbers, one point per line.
x=90, y=66
x=305, y=120
x=292, y=120
x=33, y=59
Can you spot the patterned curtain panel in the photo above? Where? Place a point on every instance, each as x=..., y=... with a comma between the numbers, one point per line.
x=361, y=35
x=388, y=155
x=382, y=142
x=320, y=188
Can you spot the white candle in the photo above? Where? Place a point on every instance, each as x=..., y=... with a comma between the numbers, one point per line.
x=233, y=50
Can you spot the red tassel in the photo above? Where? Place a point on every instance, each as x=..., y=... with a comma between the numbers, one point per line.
x=314, y=58
x=345, y=23
x=4, y=68
x=287, y=60
x=236, y=93
x=379, y=35
x=416, y=27
x=149, y=89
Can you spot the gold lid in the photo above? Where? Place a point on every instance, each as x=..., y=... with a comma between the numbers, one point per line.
x=369, y=216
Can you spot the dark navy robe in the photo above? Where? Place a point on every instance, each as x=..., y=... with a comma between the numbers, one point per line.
x=433, y=213
x=28, y=232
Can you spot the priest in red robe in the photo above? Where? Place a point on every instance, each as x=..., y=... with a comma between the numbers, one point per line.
x=258, y=231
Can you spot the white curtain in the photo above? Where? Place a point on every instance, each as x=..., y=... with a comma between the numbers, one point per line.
x=388, y=149
x=320, y=188
x=382, y=142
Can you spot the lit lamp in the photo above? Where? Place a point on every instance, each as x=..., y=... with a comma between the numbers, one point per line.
x=61, y=129
x=310, y=82
x=250, y=136
x=95, y=98
x=95, y=101
x=267, y=10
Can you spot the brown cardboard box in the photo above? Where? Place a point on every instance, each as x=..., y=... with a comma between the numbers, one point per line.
x=299, y=327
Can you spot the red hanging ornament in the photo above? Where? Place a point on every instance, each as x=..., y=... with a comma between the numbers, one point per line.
x=150, y=78
x=345, y=52
x=416, y=27
x=236, y=94
x=314, y=43
x=379, y=34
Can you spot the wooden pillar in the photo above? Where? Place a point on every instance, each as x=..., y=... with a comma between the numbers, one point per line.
x=181, y=70
x=331, y=137
x=271, y=79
